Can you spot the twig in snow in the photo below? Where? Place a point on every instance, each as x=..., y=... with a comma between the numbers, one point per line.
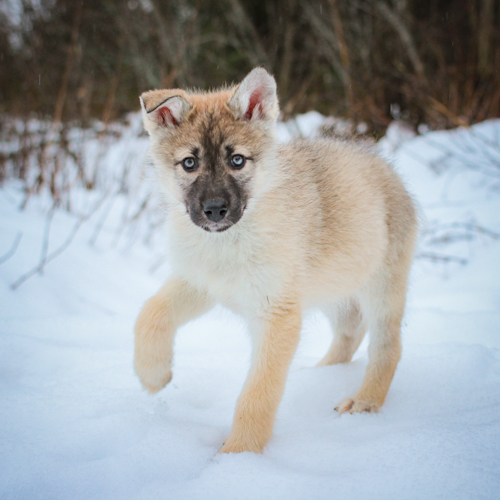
x=495, y=145
x=58, y=251
x=49, y=257
x=46, y=236
x=460, y=143
x=468, y=226
x=460, y=158
x=6, y=256
x=477, y=229
x=441, y=258
x=101, y=222
x=449, y=153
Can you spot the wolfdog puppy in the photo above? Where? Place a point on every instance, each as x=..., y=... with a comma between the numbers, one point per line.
x=269, y=230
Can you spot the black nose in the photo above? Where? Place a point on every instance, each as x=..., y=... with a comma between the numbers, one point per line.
x=215, y=210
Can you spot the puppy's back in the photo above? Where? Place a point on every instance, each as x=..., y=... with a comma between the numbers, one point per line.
x=343, y=210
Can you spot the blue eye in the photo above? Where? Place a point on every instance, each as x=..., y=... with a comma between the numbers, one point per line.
x=189, y=164
x=238, y=161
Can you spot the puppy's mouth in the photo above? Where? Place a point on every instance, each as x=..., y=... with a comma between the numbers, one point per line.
x=216, y=228
x=200, y=219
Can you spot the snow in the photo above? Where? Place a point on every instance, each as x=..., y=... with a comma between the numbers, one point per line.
x=75, y=423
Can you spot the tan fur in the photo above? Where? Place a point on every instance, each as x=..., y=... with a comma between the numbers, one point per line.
x=327, y=225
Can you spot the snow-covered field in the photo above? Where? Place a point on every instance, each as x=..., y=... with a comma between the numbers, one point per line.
x=75, y=423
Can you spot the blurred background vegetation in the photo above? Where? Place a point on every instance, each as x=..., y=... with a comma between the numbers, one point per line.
x=424, y=61
x=71, y=72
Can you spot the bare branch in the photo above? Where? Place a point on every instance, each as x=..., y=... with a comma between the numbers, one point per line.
x=441, y=258
x=406, y=37
x=331, y=46
x=58, y=251
x=46, y=236
x=6, y=256
x=243, y=23
x=344, y=55
x=38, y=268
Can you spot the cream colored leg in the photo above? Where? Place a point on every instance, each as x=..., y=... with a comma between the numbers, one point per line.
x=383, y=361
x=349, y=330
x=383, y=308
x=176, y=303
x=257, y=405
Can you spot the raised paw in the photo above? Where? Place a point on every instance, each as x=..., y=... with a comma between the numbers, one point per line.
x=153, y=376
x=353, y=405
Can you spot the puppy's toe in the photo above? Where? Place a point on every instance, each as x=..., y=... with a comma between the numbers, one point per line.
x=345, y=405
x=353, y=405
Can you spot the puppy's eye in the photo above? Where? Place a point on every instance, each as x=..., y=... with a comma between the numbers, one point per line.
x=238, y=161
x=189, y=164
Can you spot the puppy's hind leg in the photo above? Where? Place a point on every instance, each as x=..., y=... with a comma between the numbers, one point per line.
x=176, y=303
x=383, y=307
x=349, y=330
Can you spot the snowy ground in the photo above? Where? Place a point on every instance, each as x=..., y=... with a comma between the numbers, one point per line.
x=75, y=424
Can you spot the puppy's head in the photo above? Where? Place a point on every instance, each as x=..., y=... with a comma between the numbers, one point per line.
x=213, y=151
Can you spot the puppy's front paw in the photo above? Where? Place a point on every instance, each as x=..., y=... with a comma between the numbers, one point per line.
x=353, y=405
x=239, y=446
x=154, y=376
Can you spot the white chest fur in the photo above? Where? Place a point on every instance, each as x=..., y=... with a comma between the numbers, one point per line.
x=235, y=267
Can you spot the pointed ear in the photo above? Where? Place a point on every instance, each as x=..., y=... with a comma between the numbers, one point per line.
x=255, y=97
x=164, y=108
